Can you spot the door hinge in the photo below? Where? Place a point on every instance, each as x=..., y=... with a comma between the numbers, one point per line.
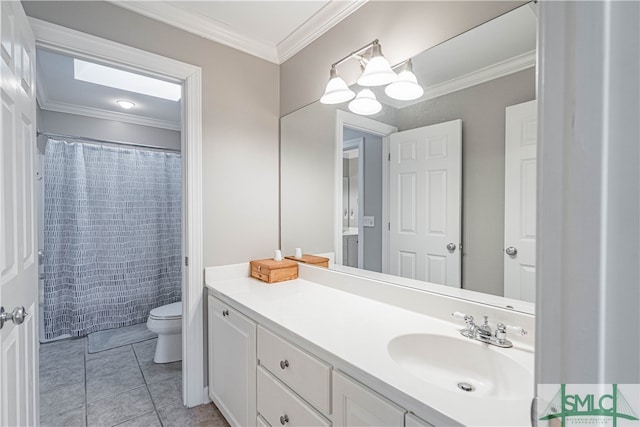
x=389, y=226
x=389, y=157
x=186, y=261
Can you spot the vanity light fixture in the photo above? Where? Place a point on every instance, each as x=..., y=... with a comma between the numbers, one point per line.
x=406, y=88
x=365, y=103
x=337, y=90
x=125, y=104
x=376, y=72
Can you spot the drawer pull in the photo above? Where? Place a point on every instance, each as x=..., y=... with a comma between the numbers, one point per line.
x=284, y=419
x=284, y=364
x=225, y=313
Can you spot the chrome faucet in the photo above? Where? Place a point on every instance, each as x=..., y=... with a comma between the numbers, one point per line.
x=484, y=332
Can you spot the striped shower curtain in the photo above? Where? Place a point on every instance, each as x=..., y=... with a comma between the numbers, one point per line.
x=112, y=239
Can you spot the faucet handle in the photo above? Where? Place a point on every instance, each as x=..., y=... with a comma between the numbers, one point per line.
x=461, y=316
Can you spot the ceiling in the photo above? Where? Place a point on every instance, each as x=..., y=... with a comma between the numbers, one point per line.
x=271, y=30
x=58, y=90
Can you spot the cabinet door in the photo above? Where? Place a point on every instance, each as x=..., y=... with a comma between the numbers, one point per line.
x=232, y=363
x=356, y=405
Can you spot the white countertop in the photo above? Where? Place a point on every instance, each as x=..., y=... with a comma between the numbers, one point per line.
x=356, y=330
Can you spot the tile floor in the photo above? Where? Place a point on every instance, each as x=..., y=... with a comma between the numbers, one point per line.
x=117, y=387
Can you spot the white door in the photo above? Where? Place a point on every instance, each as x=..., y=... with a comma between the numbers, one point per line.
x=424, y=196
x=520, y=201
x=18, y=232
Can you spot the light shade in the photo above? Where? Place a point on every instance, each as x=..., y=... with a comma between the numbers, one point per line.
x=378, y=72
x=406, y=87
x=337, y=90
x=365, y=103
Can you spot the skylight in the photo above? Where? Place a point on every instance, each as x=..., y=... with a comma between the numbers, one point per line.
x=119, y=79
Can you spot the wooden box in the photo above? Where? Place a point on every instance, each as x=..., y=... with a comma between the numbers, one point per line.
x=271, y=271
x=311, y=259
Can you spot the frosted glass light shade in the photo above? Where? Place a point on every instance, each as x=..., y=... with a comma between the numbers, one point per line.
x=337, y=90
x=378, y=72
x=405, y=88
x=365, y=103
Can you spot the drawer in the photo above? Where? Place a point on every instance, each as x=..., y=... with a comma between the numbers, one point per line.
x=307, y=375
x=281, y=407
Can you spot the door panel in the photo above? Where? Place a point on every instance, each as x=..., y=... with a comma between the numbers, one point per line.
x=425, y=194
x=18, y=233
x=520, y=201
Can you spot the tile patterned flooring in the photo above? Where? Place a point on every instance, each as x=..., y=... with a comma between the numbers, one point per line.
x=117, y=387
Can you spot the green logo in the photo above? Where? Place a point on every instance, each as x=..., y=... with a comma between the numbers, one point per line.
x=587, y=408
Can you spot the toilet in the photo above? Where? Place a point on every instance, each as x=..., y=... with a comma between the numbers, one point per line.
x=166, y=321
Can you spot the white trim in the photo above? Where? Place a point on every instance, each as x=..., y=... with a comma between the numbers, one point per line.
x=99, y=113
x=352, y=121
x=483, y=75
x=318, y=24
x=83, y=45
x=201, y=26
x=495, y=71
x=321, y=22
x=359, y=144
x=385, y=202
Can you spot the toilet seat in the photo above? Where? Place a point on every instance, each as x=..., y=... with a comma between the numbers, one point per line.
x=167, y=312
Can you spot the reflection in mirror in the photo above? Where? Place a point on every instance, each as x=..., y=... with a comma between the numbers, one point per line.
x=482, y=80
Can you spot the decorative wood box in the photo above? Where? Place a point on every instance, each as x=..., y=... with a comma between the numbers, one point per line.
x=271, y=271
x=311, y=259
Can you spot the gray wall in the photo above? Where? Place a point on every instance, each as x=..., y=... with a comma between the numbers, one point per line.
x=372, y=198
x=482, y=110
x=76, y=125
x=404, y=28
x=240, y=123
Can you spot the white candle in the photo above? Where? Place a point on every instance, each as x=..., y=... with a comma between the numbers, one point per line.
x=278, y=255
x=298, y=253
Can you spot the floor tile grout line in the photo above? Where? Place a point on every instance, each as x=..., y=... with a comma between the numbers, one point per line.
x=153, y=403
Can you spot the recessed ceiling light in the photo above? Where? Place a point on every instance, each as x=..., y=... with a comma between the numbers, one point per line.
x=125, y=104
x=119, y=79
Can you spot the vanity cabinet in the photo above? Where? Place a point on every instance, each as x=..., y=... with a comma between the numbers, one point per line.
x=294, y=386
x=356, y=405
x=232, y=363
x=411, y=420
x=258, y=378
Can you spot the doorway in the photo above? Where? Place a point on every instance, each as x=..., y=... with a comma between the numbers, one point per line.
x=59, y=39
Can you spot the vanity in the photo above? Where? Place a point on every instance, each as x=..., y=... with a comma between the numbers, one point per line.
x=332, y=348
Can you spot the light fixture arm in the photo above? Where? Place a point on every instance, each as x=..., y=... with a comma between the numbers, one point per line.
x=356, y=53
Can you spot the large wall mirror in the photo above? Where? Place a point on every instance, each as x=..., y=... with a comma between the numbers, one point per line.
x=465, y=222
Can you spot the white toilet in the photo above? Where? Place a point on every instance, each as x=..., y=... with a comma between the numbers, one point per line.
x=166, y=321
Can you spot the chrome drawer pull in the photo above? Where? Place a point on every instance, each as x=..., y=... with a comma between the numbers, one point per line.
x=284, y=419
x=284, y=364
x=225, y=313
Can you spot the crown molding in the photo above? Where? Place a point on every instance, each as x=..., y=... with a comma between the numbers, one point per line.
x=98, y=113
x=202, y=26
x=495, y=71
x=321, y=22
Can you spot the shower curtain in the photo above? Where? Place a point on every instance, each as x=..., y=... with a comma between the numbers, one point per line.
x=112, y=240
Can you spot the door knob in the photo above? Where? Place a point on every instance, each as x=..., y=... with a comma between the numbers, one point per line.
x=17, y=316
x=511, y=251
x=451, y=247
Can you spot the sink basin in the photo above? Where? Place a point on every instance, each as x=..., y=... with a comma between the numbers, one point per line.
x=462, y=365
